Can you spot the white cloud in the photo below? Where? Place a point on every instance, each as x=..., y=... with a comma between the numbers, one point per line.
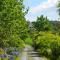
x=42, y=6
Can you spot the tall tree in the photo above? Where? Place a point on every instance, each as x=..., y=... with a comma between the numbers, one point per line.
x=12, y=22
x=58, y=6
x=42, y=24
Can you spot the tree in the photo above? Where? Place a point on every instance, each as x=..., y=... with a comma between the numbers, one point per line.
x=58, y=7
x=42, y=24
x=12, y=22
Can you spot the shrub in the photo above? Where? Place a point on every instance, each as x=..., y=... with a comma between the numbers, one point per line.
x=9, y=50
x=28, y=41
x=47, y=44
x=1, y=51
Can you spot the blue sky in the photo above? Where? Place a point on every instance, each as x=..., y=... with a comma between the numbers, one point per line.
x=41, y=7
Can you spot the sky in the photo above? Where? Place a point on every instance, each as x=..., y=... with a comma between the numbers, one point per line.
x=41, y=7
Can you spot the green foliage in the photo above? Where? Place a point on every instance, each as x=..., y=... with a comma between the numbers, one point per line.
x=58, y=6
x=58, y=58
x=42, y=24
x=17, y=58
x=47, y=44
x=12, y=22
x=29, y=41
x=1, y=51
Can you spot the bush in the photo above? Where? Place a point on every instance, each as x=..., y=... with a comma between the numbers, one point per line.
x=28, y=41
x=9, y=50
x=58, y=58
x=1, y=51
x=47, y=44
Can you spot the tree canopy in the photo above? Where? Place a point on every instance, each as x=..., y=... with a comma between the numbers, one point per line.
x=42, y=24
x=12, y=22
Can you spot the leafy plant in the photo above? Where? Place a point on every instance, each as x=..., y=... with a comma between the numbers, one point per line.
x=47, y=44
